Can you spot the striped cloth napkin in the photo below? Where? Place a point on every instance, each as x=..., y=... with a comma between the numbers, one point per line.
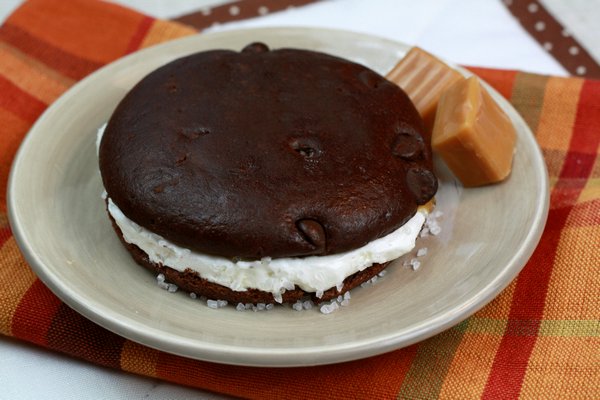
x=539, y=339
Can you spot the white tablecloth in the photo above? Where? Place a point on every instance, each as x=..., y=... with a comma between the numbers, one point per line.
x=471, y=32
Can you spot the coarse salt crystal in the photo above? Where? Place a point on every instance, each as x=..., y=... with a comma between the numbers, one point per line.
x=172, y=288
x=269, y=306
x=261, y=306
x=297, y=306
x=193, y=295
x=345, y=303
x=340, y=298
x=160, y=277
x=421, y=252
x=240, y=307
x=415, y=264
x=347, y=296
x=212, y=304
x=325, y=309
x=329, y=308
x=435, y=229
x=221, y=303
x=307, y=305
x=431, y=224
x=381, y=274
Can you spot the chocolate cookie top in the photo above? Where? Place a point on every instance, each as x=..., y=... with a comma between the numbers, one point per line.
x=267, y=153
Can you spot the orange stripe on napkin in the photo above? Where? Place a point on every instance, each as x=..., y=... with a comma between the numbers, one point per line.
x=84, y=28
x=431, y=364
x=528, y=97
x=557, y=372
x=499, y=308
x=139, y=35
x=16, y=284
x=476, y=355
x=139, y=359
x=73, y=334
x=557, y=119
x=577, y=279
x=346, y=380
x=13, y=129
x=35, y=314
x=54, y=57
x=561, y=99
x=19, y=68
x=19, y=102
x=160, y=30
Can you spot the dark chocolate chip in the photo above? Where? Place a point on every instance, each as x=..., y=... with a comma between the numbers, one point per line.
x=408, y=146
x=313, y=232
x=307, y=152
x=422, y=183
x=306, y=147
x=256, y=47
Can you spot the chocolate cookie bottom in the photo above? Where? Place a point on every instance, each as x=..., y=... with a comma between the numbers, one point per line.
x=190, y=281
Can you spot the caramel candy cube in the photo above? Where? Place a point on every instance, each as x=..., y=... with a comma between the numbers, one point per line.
x=424, y=78
x=473, y=135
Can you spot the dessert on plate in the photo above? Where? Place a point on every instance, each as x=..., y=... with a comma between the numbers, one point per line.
x=266, y=176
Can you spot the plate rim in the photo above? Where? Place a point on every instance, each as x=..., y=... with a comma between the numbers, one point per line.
x=276, y=357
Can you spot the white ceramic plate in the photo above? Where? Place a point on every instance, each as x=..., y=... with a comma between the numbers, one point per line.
x=59, y=221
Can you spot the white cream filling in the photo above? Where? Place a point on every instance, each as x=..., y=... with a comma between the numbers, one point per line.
x=274, y=275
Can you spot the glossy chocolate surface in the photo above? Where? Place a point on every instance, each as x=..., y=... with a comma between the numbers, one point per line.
x=267, y=153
